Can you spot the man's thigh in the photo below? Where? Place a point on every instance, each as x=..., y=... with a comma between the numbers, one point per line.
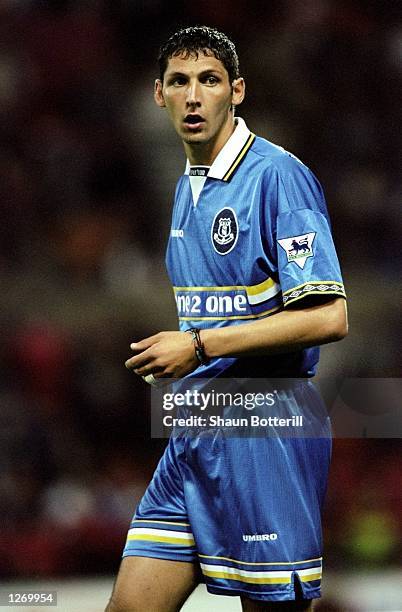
x=145, y=584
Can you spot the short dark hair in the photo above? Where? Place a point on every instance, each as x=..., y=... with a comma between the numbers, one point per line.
x=195, y=39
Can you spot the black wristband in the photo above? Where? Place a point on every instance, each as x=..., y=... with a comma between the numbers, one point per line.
x=198, y=346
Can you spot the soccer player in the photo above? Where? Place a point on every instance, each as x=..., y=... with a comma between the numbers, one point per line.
x=258, y=288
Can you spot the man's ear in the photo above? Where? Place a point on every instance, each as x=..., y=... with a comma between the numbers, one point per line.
x=238, y=91
x=158, y=95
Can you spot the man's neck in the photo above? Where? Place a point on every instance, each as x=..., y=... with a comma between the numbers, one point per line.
x=204, y=154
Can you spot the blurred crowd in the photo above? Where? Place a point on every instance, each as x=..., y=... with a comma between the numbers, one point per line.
x=87, y=171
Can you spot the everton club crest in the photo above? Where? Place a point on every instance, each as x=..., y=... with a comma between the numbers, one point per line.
x=224, y=231
x=298, y=248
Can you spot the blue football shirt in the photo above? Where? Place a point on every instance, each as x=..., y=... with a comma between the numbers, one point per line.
x=250, y=236
x=251, y=239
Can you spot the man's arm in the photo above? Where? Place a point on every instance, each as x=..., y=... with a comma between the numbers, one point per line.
x=283, y=332
x=171, y=354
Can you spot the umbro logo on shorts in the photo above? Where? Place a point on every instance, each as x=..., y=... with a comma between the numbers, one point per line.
x=177, y=233
x=258, y=537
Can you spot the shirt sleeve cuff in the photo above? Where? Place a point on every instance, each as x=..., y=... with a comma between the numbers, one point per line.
x=311, y=288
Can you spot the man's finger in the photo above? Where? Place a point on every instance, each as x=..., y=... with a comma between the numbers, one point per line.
x=143, y=344
x=139, y=361
x=156, y=380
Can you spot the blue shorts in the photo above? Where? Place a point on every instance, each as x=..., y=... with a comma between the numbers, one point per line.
x=247, y=509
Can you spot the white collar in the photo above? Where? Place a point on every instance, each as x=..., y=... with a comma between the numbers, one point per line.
x=231, y=154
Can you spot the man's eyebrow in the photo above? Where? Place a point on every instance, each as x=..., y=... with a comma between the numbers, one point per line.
x=209, y=70
x=175, y=75
x=206, y=71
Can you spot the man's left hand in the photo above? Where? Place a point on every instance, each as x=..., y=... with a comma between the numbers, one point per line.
x=165, y=355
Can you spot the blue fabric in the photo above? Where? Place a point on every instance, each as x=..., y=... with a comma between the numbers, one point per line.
x=273, y=197
x=247, y=509
x=225, y=490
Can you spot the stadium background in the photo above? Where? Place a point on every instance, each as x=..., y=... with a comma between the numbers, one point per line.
x=87, y=171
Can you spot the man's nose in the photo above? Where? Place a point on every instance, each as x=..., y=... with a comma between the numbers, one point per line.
x=193, y=94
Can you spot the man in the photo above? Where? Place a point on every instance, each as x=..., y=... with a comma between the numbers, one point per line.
x=257, y=282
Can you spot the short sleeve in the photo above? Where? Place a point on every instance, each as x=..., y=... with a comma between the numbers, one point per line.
x=307, y=261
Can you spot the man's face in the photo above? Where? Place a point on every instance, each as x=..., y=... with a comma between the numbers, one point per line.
x=198, y=97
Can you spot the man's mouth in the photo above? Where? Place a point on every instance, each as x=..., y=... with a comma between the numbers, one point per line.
x=193, y=122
